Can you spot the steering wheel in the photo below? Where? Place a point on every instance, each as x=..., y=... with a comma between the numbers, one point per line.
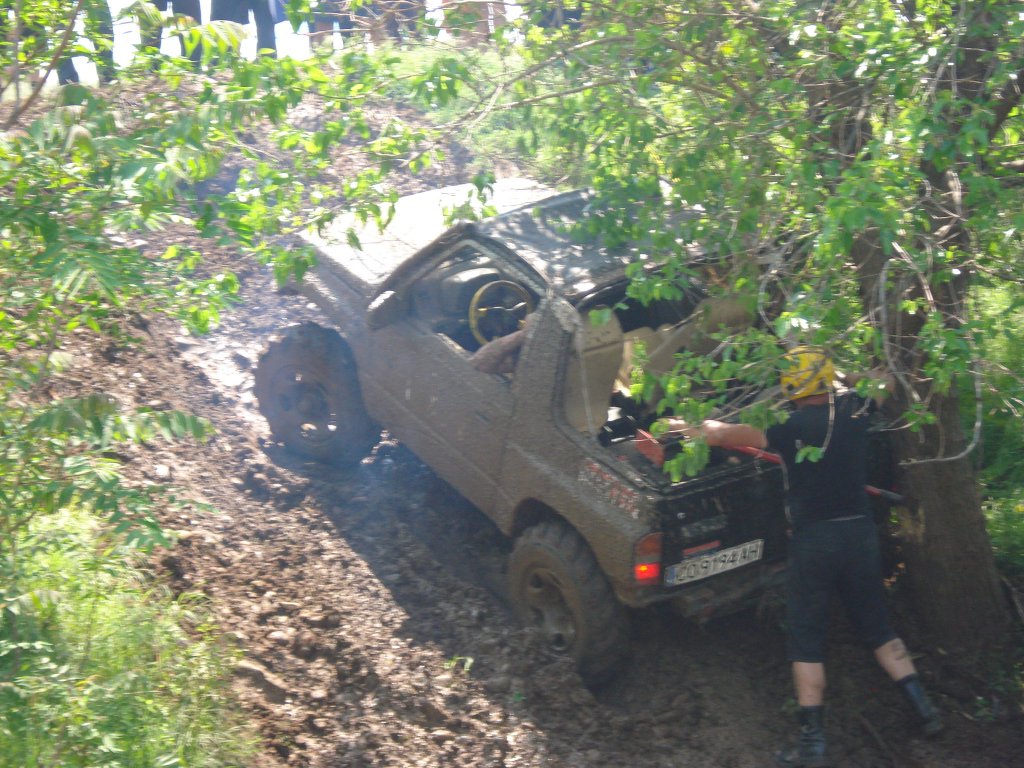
x=498, y=309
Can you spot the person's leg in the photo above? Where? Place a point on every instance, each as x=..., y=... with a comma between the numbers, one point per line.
x=350, y=28
x=809, y=591
x=321, y=29
x=810, y=749
x=102, y=23
x=228, y=10
x=266, y=40
x=895, y=660
x=191, y=9
x=863, y=593
x=151, y=34
x=99, y=29
x=46, y=38
x=372, y=18
x=321, y=32
x=66, y=72
x=403, y=18
x=809, y=683
x=188, y=8
x=809, y=588
x=498, y=16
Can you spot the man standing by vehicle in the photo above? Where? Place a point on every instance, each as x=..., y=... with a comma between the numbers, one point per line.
x=834, y=546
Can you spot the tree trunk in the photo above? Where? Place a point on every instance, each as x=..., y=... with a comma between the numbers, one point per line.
x=948, y=555
x=949, y=559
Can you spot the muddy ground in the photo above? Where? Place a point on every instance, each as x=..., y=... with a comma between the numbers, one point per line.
x=369, y=608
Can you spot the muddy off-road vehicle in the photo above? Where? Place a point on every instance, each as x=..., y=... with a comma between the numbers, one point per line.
x=547, y=451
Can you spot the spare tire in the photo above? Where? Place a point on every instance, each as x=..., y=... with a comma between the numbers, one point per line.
x=308, y=392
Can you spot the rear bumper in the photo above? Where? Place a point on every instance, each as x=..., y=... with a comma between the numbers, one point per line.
x=716, y=596
x=729, y=592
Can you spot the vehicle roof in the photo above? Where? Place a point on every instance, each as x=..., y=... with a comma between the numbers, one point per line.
x=417, y=223
x=543, y=235
x=533, y=223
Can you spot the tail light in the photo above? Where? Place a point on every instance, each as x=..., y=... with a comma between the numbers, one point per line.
x=647, y=560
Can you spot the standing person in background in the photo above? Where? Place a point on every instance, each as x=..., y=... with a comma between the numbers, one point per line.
x=99, y=29
x=834, y=546
x=189, y=8
x=238, y=11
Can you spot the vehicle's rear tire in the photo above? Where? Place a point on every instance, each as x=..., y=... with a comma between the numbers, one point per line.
x=556, y=586
x=307, y=391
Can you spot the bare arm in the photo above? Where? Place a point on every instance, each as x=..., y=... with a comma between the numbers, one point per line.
x=498, y=355
x=722, y=434
x=726, y=435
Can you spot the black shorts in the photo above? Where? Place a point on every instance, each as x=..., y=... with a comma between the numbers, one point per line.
x=829, y=557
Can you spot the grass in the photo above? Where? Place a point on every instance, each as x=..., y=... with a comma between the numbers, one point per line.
x=100, y=668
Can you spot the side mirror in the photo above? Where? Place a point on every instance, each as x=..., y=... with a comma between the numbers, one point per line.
x=385, y=309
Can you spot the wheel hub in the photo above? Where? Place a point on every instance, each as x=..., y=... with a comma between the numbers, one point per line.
x=306, y=406
x=549, y=611
x=310, y=402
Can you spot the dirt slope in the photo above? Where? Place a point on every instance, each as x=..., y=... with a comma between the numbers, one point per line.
x=369, y=610
x=368, y=606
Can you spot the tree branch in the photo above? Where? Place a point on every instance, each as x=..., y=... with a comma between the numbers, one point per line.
x=1009, y=97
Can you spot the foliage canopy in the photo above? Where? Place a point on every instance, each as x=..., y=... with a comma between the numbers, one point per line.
x=855, y=165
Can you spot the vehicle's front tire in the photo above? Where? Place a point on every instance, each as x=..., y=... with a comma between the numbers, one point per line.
x=556, y=586
x=307, y=391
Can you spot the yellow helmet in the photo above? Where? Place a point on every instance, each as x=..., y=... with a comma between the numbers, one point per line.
x=809, y=371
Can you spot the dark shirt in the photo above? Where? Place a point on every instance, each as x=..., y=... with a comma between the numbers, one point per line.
x=834, y=486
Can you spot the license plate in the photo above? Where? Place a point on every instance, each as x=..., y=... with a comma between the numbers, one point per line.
x=697, y=568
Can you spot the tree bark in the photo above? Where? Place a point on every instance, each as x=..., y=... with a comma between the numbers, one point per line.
x=950, y=566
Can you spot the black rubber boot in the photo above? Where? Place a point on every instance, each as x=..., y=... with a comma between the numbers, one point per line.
x=809, y=751
x=931, y=720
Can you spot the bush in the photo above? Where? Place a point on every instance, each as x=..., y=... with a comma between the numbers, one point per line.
x=101, y=668
x=1005, y=516
x=1002, y=443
